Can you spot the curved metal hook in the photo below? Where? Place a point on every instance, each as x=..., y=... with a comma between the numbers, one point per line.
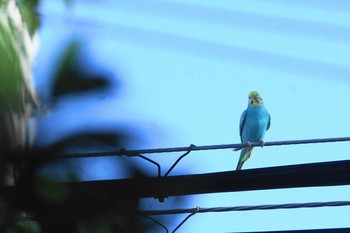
x=157, y=222
x=178, y=160
x=185, y=219
x=122, y=151
x=152, y=161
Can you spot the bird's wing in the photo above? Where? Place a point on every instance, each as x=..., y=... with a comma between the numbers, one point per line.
x=269, y=123
x=241, y=123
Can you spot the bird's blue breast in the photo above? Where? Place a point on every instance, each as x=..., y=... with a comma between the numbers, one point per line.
x=255, y=124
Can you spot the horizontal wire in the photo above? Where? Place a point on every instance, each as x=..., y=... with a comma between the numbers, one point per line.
x=245, y=208
x=122, y=151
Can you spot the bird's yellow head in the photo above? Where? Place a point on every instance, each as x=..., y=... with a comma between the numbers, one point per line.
x=254, y=99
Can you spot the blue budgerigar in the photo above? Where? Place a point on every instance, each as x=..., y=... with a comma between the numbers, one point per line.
x=254, y=123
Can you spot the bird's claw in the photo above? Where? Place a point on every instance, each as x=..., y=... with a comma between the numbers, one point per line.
x=249, y=144
x=262, y=143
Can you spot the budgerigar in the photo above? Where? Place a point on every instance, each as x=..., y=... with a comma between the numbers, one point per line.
x=254, y=123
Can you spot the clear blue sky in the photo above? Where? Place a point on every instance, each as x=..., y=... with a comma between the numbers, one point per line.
x=186, y=69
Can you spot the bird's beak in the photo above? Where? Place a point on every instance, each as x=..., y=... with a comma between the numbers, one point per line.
x=257, y=99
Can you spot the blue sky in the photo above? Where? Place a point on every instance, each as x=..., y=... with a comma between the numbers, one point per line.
x=186, y=68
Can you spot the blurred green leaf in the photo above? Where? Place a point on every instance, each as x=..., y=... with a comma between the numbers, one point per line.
x=49, y=190
x=29, y=14
x=92, y=140
x=69, y=2
x=23, y=225
x=73, y=77
x=10, y=74
x=95, y=226
x=16, y=50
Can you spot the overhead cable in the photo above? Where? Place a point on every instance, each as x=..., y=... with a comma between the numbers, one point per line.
x=192, y=147
x=245, y=208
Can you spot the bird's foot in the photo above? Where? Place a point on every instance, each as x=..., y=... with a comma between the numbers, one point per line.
x=262, y=143
x=249, y=144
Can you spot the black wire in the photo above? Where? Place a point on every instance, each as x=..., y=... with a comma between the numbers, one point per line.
x=178, y=160
x=156, y=222
x=159, y=169
x=182, y=222
x=195, y=148
x=246, y=208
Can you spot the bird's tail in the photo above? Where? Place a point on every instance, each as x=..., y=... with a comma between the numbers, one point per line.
x=245, y=155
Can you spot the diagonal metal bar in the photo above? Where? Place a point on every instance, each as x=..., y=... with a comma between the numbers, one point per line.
x=178, y=160
x=182, y=222
x=159, y=169
x=156, y=222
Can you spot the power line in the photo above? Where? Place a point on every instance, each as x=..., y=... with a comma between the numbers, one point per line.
x=187, y=150
x=245, y=208
x=230, y=18
x=136, y=34
x=292, y=176
x=125, y=152
x=325, y=230
x=193, y=211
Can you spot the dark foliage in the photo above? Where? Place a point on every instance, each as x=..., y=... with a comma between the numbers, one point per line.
x=39, y=202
